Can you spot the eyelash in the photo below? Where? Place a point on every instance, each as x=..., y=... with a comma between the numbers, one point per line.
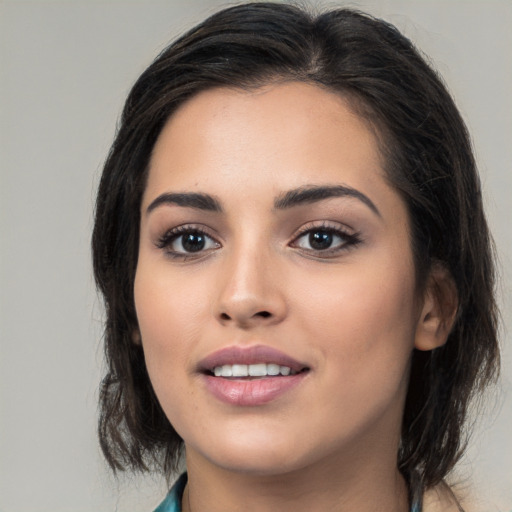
x=165, y=241
x=349, y=241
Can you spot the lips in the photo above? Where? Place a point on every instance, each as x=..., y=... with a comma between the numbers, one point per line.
x=253, y=355
x=250, y=376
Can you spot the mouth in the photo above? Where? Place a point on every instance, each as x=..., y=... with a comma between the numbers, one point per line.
x=256, y=361
x=253, y=371
x=250, y=376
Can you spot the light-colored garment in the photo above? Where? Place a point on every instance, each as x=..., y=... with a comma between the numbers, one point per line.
x=172, y=502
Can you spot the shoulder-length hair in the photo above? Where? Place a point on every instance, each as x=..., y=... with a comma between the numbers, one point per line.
x=428, y=159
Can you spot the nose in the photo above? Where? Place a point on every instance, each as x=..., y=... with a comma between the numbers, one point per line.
x=251, y=290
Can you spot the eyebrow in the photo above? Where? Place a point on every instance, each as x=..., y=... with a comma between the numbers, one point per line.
x=198, y=201
x=290, y=199
x=315, y=193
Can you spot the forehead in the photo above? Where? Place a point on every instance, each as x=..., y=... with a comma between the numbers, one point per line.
x=277, y=137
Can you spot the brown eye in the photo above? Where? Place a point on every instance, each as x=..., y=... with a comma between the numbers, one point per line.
x=320, y=240
x=192, y=242
x=325, y=241
x=184, y=241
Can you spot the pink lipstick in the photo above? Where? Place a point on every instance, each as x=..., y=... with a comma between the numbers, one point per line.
x=250, y=376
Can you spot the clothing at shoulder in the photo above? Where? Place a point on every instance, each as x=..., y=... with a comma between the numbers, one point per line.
x=439, y=499
x=172, y=502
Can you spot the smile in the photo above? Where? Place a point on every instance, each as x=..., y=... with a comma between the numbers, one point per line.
x=251, y=375
x=252, y=370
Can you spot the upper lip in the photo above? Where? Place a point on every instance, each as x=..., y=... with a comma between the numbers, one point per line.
x=249, y=355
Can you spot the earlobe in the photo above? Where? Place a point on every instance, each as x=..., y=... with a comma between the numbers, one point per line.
x=440, y=303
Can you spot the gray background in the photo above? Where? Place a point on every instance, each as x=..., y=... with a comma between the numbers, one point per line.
x=66, y=67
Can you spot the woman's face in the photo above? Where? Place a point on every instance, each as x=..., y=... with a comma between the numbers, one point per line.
x=272, y=244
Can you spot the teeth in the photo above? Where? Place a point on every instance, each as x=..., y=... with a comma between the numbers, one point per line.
x=273, y=369
x=226, y=370
x=251, y=370
x=258, y=370
x=240, y=370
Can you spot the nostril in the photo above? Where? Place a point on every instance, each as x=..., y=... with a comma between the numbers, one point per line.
x=243, y=318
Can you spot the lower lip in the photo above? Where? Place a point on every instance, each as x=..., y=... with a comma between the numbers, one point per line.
x=251, y=392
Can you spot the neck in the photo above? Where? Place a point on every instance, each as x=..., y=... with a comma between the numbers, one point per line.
x=327, y=486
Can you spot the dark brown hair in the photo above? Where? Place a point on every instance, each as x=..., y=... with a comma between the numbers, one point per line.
x=428, y=159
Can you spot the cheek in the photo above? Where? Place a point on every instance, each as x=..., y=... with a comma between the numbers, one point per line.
x=365, y=318
x=170, y=317
x=169, y=324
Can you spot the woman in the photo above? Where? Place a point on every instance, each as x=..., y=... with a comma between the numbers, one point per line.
x=296, y=269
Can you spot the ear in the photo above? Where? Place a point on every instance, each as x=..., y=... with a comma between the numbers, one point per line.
x=439, y=309
x=136, y=337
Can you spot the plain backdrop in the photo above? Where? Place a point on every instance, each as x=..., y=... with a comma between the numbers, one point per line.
x=65, y=69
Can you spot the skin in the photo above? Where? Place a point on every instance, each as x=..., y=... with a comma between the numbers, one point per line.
x=353, y=314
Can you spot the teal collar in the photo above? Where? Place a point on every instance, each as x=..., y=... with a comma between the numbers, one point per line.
x=172, y=502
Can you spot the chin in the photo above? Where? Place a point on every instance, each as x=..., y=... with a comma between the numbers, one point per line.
x=263, y=463
x=253, y=454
